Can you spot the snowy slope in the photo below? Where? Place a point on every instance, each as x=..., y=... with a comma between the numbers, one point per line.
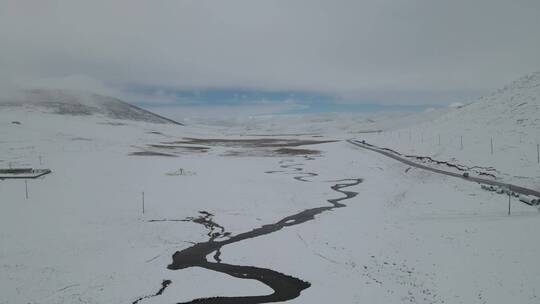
x=510, y=118
x=77, y=103
x=511, y=111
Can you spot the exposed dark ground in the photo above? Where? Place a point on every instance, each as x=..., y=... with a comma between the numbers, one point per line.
x=150, y=153
x=238, y=147
x=251, y=143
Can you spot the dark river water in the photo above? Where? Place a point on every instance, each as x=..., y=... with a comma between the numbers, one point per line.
x=285, y=287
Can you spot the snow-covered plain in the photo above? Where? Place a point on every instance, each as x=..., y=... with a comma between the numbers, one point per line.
x=409, y=235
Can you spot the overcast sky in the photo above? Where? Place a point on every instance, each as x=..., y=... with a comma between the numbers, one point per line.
x=379, y=51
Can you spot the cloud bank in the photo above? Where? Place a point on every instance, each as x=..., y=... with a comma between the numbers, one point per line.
x=380, y=50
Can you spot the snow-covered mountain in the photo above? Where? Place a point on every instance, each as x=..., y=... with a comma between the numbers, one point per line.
x=500, y=130
x=68, y=102
x=515, y=107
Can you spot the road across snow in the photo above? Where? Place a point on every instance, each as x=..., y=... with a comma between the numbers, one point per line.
x=514, y=188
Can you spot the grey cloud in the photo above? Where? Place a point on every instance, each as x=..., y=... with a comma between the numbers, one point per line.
x=344, y=47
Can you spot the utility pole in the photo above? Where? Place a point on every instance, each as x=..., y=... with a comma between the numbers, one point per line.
x=26, y=187
x=143, y=202
x=439, y=139
x=491, y=145
x=538, y=153
x=461, y=141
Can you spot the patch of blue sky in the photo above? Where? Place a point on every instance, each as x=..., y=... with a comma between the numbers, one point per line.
x=229, y=96
x=307, y=102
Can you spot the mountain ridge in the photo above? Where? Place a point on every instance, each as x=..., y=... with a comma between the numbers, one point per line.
x=76, y=103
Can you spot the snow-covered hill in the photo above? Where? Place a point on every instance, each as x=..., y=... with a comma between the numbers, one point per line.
x=514, y=108
x=509, y=118
x=67, y=102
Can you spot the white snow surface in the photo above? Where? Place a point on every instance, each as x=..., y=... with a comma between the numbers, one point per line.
x=409, y=235
x=509, y=118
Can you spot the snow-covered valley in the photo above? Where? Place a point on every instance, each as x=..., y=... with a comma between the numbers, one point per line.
x=409, y=235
